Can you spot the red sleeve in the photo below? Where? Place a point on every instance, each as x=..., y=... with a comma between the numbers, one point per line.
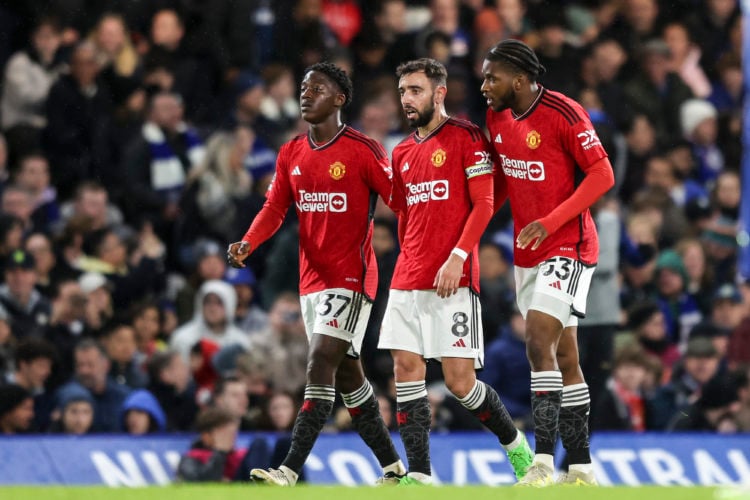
x=480, y=192
x=379, y=178
x=278, y=199
x=599, y=179
x=397, y=199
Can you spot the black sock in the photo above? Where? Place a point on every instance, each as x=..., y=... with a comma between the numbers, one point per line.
x=486, y=405
x=366, y=420
x=546, y=397
x=574, y=423
x=310, y=421
x=414, y=418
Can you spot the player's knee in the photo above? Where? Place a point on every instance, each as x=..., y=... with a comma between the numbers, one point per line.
x=408, y=368
x=320, y=369
x=460, y=387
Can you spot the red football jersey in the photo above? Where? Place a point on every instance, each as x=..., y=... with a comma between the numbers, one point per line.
x=430, y=185
x=334, y=187
x=539, y=153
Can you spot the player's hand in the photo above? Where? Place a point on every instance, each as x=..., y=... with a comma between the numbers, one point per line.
x=532, y=232
x=449, y=276
x=237, y=252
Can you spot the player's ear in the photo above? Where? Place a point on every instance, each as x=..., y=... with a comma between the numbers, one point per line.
x=439, y=94
x=340, y=100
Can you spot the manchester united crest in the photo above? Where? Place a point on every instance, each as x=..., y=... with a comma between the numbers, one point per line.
x=533, y=139
x=337, y=170
x=438, y=157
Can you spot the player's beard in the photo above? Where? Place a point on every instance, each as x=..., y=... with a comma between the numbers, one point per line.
x=423, y=117
x=506, y=101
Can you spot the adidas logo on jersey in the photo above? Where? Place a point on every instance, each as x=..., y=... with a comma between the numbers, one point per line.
x=333, y=323
x=459, y=343
x=405, y=167
x=499, y=139
x=296, y=171
x=556, y=284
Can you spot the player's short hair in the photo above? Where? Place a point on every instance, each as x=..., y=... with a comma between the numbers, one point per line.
x=212, y=418
x=337, y=75
x=517, y=56
x=434, y=70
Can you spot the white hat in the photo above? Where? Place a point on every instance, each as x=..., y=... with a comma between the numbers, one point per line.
x=91, y=281
x=693, y=112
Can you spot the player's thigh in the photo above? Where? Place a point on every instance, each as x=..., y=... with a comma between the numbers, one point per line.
x=400, y=329
x=451, y=326
x=557, y=287
x=338, y=313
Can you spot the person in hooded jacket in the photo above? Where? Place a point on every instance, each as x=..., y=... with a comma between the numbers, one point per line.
x=213, y=319
x=142, y=414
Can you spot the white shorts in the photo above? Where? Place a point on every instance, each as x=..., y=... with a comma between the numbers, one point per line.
x=558, y=286
x=421, y=322
x=339, y=313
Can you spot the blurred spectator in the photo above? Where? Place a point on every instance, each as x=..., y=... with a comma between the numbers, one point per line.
x=29, y=75
x=680, y=309
x=67, y=326
x=555, y=53
x=132, y=277
x=248, y=316
x=305, y=38
x=710, y=25
x=48, y=274
x=656, y=91
x=284, y=344
x=145, y=321
x=507, y=368
x=739, y=340
x=99, y=307
x=213, y=320
x=281, y=411
x=76, y=408
x=646, y=321
x=720, y=233
x=230, y=394
x=91, y=369
x=78, y=133
x=119, y=343
x=11, y=235
x=743, y=394
x=33, y=175
x=188, y=76
x=637, y=23
x=727, y=88
x=34, y=359
x=640, y=232
x=116, y=55
x=717, y=335
x=502, y=19
x=157, y=162
x=91, y=203
x=255, y=371
x=700, y=364
x=662, y=174
x=16, y=409
x=699, y=270
x=170, y=382
x=28, y=311
x=207, y=263
x=715, y=410
x=18, y=201
x=214, y=457
x=640, y=140
x=727, y=308
x=685, y=58
x=600, y=71
x=343, y=18
x=622, y=406
x=141, y=414
x=215, y=184
x=698, y=120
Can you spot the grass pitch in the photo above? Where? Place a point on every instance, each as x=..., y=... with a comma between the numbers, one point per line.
x=252, y=492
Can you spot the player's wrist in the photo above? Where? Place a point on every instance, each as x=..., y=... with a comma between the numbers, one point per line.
x=460, y=254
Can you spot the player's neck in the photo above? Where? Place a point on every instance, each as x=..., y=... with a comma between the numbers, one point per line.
x=436, y=121
x=323, y=132
x=527, y=100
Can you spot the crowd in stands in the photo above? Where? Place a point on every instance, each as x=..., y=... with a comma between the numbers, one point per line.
x=138, y=140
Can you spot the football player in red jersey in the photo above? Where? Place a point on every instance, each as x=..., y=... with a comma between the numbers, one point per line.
x=332, y=175
x=442, y=189
x=542, y=138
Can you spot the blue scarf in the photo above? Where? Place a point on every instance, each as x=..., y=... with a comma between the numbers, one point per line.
x=167, y=171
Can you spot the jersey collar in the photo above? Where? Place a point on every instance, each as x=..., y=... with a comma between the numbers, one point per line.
x=318, y=147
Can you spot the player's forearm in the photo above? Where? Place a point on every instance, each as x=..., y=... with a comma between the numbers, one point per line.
x=481, y=193
x=265, y=224
x=599, y=179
